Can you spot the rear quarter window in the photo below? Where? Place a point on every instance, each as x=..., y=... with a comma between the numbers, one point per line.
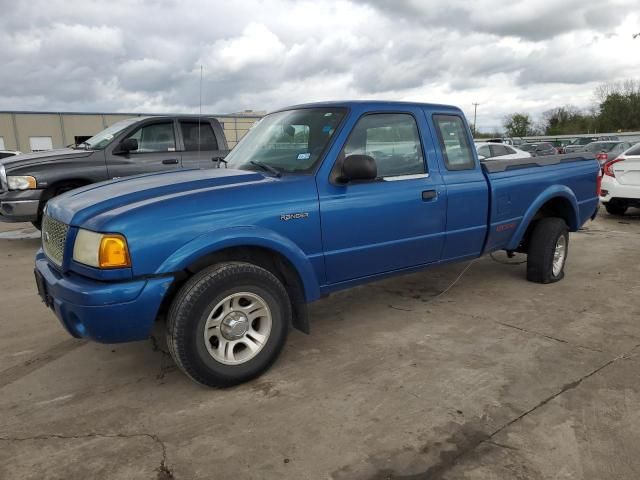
x=454, y=142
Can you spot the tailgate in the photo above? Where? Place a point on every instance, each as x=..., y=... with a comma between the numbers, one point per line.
x=627, y=172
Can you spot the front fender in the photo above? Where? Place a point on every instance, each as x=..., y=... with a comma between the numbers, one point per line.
x=245, y=237
x=550, y=193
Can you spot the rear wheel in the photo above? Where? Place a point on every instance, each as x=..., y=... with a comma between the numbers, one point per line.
x=548, y=250
x=615, y=208
x=228, y=324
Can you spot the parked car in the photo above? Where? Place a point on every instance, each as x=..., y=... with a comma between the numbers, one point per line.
x=539, y=149
x=232, y=256
x=506, y=140
x=493, y=150
x=8, y=153
x=621, y=182
x=578, y=143
x=605, y=151
x=129, y=147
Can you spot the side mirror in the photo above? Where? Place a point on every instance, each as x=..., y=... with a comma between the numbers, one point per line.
x=358, y=167
x=126, y=146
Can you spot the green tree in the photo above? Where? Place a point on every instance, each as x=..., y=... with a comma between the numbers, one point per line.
x=618, y=105
x=517, y=124
x=567, y=120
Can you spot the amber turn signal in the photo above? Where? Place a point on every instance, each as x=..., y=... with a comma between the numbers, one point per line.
x=114, y=252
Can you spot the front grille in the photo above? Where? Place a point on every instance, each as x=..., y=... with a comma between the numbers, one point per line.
x=54, y=238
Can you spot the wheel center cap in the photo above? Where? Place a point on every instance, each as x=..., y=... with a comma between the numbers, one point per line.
x=234, y=326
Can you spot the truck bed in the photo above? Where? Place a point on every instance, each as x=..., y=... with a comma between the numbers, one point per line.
x=520, y=187
x=497, y=164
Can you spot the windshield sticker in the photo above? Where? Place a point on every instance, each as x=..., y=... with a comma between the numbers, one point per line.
x=304, y=156
x=327, y=129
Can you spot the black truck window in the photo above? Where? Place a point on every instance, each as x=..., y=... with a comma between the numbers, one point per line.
x=192, y=132
x=157, y=137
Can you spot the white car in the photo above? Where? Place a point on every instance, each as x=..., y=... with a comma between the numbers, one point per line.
x=620, y=187
x=491, y=150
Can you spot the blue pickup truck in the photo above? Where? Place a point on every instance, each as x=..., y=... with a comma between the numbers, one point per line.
x=315, y=199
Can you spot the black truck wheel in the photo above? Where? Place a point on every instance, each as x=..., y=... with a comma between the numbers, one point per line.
x=48, y=195
x=548, y=249
x=228, y=324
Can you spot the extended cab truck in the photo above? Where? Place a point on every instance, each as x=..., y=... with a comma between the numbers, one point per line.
x=129, y=147
x=315, y=199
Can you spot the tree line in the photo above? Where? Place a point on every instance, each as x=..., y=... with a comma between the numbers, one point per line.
x=616, y=108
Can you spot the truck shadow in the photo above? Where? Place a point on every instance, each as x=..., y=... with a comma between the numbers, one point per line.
x=20, y=232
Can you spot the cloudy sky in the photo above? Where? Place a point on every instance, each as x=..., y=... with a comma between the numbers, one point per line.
x=145, y=56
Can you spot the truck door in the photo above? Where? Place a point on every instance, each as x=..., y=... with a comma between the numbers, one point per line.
x=200, y=148
x=156, y=141
x=467, y=189
x=393, y=222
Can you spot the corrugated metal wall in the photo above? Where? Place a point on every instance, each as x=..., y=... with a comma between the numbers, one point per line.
x=17, y=127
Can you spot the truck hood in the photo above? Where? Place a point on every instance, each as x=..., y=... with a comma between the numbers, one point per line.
x=101, y=201
x=37, y=158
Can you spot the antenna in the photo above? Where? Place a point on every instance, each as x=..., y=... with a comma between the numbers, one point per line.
x=200, y=113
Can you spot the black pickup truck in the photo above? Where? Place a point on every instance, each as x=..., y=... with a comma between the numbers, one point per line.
x=129, y=147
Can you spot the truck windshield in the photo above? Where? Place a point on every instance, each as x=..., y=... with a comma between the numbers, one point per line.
x=291, y=141
x=102, y=139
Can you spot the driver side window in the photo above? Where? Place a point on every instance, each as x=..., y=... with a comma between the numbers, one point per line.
x=392, y=139
x=157, y=137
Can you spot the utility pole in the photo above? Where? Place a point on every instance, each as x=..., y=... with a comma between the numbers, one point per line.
x=475, y=111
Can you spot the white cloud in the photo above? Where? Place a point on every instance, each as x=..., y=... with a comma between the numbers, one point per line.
x=145, y=55
x=257, y=45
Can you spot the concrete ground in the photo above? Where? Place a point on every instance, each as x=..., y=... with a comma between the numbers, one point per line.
x=496, y=378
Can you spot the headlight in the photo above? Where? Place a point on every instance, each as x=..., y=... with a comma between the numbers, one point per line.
x=24, y=182
x=3, y=178
x=101, y=250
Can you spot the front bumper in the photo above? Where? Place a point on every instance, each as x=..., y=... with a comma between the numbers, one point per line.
x=20, y=206
x=107, y=312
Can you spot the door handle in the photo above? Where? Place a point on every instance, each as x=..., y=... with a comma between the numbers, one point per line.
x=429, y=195
x=170, y=161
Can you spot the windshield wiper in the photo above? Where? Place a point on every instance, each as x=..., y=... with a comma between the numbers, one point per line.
x=87, y=146
x=266, y=167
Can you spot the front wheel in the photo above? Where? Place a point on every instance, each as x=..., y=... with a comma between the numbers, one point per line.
x=228, y=324
x=548, y=250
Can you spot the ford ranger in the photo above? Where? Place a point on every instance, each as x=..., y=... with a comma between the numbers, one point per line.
x=315, y=199
x=128, y=147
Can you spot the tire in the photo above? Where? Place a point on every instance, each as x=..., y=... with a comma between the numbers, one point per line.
x=615, y=208
x=48, y=196
x=548, y=235
x=221, y=295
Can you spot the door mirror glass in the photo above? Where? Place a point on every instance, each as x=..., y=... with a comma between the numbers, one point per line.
x=358, y=168
x=127, y=145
